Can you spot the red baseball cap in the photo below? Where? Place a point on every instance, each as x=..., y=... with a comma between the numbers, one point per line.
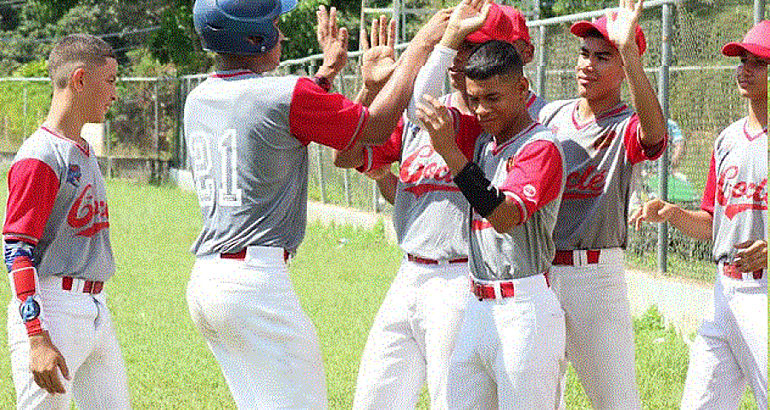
x=757, y=42
x=582, y=28
x=503, y=23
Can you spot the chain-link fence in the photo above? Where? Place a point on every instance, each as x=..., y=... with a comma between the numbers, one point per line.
x=139, y=138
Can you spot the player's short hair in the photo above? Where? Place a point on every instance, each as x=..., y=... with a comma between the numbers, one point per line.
x=494, y=58
x=73, y=51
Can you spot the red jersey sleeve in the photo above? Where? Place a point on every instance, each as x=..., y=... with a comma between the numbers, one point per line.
x=376, y=157
x=534, y=177
x=468, y=131
x=32, y=190
x=709, y=192
x=328, y=119
x=635, y=151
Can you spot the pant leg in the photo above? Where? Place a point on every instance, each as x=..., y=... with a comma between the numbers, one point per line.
x=531, y=335
x=392, y=369
x=599, y=330
x=470, y=383
x=69, y=319
x=747, y=305
x=442, y=306
x=266, y=346
x=714, y=379
x=101, y=381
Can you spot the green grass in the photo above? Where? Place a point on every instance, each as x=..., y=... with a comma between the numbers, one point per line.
x=341, y=275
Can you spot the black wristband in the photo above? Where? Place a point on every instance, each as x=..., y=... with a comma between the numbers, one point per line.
x=479, y=191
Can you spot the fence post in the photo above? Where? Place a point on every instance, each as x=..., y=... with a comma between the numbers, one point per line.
x=321, y=182
x=156, y=102
x=25, y=112
x=108, y=142
x=663, y=92
x=759, y=11
x=375, y=197
x=541, y=63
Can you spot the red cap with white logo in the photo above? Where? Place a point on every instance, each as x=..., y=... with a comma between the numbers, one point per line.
x=582, y=28
x=503, y=23
x=757, y=42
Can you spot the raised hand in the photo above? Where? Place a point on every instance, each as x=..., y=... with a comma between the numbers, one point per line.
x=467, y=17
x=333, y=42
x=379, y=58
x=621, y=25
x=438, y=123
x=432, y=31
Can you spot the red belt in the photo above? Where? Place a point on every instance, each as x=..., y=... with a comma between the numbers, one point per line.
x=417, y=259
x=565, y=257
x=732, y=271
x=484, y=291
x=241, y=255
x=89, y=286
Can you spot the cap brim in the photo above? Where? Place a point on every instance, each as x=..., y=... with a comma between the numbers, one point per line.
x=582, y=28
x=738, y=49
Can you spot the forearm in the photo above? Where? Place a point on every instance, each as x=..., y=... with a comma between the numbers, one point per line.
x=431, y=77
x=24, y=283
x=351, y=158
x=645, y=101
x=387, y=187
x=695, y=224
x=365, y=96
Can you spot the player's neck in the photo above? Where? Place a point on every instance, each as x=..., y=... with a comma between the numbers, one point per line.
x=589, y=109
x=65, y=119
x=521, y=122
x=758, y=114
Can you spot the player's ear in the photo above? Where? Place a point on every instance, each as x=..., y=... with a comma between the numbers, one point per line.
x=523, y=85
x=78, y=78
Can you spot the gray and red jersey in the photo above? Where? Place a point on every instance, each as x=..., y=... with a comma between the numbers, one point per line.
x=736, y=189
x=429, y=210
x=57, y=202
x=247, y=136
x=600, y=157
x=528, y=169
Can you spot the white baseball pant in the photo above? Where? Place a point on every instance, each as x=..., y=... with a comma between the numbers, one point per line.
x=80, y=326
x=252, y=321
x=509, y=351
x=412, y=337
x=600, y=335
x=730, y=348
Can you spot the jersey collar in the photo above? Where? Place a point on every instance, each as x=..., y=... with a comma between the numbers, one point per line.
x=231, y=73
x=604, y=114
x=749, y=135
x=84, y=149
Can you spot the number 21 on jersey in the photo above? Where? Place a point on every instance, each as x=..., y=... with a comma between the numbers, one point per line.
x=215, y=168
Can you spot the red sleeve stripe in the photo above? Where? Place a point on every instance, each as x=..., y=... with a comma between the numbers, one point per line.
x=32, y=189
x=368, y=160
x=523, y=213
x=709, y=191
x=360, y=127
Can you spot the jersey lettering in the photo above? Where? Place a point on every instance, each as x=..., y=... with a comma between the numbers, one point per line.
x=201, y=166
x=84, y=210
x=585, y=184
x=731, y=191
x=229, y=193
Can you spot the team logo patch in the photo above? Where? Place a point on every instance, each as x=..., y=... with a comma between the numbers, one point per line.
x=73, y=174
x=529, y=191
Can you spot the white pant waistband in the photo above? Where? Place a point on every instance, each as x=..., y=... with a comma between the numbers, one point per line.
x=522, y=287
x=254, y=256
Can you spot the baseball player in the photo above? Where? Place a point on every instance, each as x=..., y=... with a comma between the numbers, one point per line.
x=510, y=344
x=504, y=23
x=603, y=141
x=57, y=245
x=248, y=135
x=731, y=347
x=413, y=334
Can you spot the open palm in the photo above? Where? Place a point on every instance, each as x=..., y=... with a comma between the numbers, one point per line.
x=379, y=59
x=621, y=25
